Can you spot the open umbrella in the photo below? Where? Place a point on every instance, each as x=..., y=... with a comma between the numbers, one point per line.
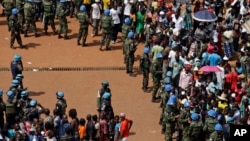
x=210, y=69
x=204, y=16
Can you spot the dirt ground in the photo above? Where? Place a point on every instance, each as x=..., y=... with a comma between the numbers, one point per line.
x=81, y=87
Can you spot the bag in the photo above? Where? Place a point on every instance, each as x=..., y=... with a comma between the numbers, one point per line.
x=47, y=7
x=10, y=108
x=106, y=22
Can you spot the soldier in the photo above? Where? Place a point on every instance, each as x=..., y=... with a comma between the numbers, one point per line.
x=49, y=8
x=16, y=66
x=19, y=77
x=23, y=103
x=130, y=48
x=15, y=28
x=105, y=88
x=33, y=112
x=15, y=88
x=106, y=27
x=164, y=97
x=30, y=17
x=61, y=103
x=8, y=5
x=156, y=71
x=62, y=14
x=2, y=110
x=183, y=121
x=195, y=128
x=125, y=30
x=210, y=122
x=10, y=109
x=169, y=118
x=20, y=7
x=83, y=18
x=217, y=135
x=145, y=66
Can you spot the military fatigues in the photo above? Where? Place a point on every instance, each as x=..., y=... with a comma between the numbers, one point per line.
x=16, y=68
x=130, y=49
x=125, y=31
x=209, y=126
x=22, y=106
x=30, y=18
x=164, y=96
x=183, y=124
x=168, y=123
x=63, y=24
x=15, y=31
x=194, y=131
x=61, y=105
x=8, y=6
x=145, y=64
x=49, y=9
x=216, y=137
x=156, y=71
x=106, y=26
x=11, y=112
x=83, y=30
x=20, y=7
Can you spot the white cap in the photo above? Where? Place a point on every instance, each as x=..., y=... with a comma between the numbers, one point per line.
x=162, y=13
x=242, y=49
x=243, y=30
x=233, y=95
x=122, y=115
x=183, y=92
x=225, y=58
x=196, y=68
x=97, y=0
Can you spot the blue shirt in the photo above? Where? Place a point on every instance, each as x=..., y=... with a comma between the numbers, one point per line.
x=117, y=126
x=214, y=59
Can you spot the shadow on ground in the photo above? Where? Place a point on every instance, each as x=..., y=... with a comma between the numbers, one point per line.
x=32, y=93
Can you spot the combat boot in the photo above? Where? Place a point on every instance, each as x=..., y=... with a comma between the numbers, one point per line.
x=83, y=44
x=59, y=36
x=78, y=43
x=100, y=48
x=155, y=100
x=37, y=35
x=12, y=46
x=22, y=46
x=46, y=32
x=66, y=37
x=108, y=48
x=54, y=32
x=25, y=34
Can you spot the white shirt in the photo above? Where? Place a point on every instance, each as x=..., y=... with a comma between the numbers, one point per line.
x=215, y=36
x=220, y=75
x=243, y=10
x=96, y=13
x=115, y=15
x=127, y=9
x=178, y=22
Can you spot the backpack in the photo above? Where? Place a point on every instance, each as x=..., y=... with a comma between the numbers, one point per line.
x=106, y=22
x=47, y=7
x=10, y=108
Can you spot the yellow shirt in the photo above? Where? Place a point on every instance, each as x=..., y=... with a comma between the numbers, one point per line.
x=106, y=4
x=86, y=1
x=222, y=105
x=155, y=5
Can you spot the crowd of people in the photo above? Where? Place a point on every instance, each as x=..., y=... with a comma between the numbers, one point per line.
x=197, y=104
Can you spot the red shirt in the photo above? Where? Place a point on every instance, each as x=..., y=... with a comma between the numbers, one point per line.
x=125, y=127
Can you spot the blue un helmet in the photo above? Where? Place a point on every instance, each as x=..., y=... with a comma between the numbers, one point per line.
x=168, y=88
x=105, y=83
x=169, y=73
x=131, y=34
x=146, y=50
x=166, y=80
x=33, y=103
x=14, y=83
x=1, y=92
x=159, y=56
x=83, y=8
x=19, y=76
x=194, y=116
x=10, y=94
x=24, y=93
x=31, y=1
x=211, y=113
x=172, y=100
x=17, y=57
x=60, y=94
x=14, y=11
x=106, y=95
x=127, y=21
x=218, y=127
x=229, y=119
x=186, y=104
x=106, y=12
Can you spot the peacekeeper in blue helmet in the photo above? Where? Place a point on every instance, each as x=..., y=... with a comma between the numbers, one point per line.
x=11, y=108
x=2, y=109
x=15, y=88
x=16, y=65
x=34, y=110
x=107, y=107
x=20, y=77
x=61, y=103
x=23, y=103
x=100, y=93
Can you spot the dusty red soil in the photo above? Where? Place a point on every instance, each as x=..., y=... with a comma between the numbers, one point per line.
x=81, y=87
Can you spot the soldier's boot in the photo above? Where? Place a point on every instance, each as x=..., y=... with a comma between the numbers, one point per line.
x=155, y=100
x=22, y=32
x=46, y=32
x=59, y=36
x=100, y=48
x=37, y=35
x=108, y=48
x=78, y=42
x=145, y=89
x=25, y=33
x=12, y=46
x=84, y=44
x=54, y=32
x=66, y=37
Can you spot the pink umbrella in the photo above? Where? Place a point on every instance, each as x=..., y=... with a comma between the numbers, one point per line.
x=210, y=69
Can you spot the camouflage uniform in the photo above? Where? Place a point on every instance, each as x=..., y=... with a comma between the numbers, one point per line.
x=156, y=71
x=168, y=123
x=20, y=7
x=194, y=131
x=83, y=30
x=130, y=49
x=8, y=6
x=106, y=26
x=209, y=126
x=30, y=14
x=216, y=137
x=63, y=25
x=183, y=123
x=49, y=9
x=125, y=30
x=15, y=31
x=145, y=66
